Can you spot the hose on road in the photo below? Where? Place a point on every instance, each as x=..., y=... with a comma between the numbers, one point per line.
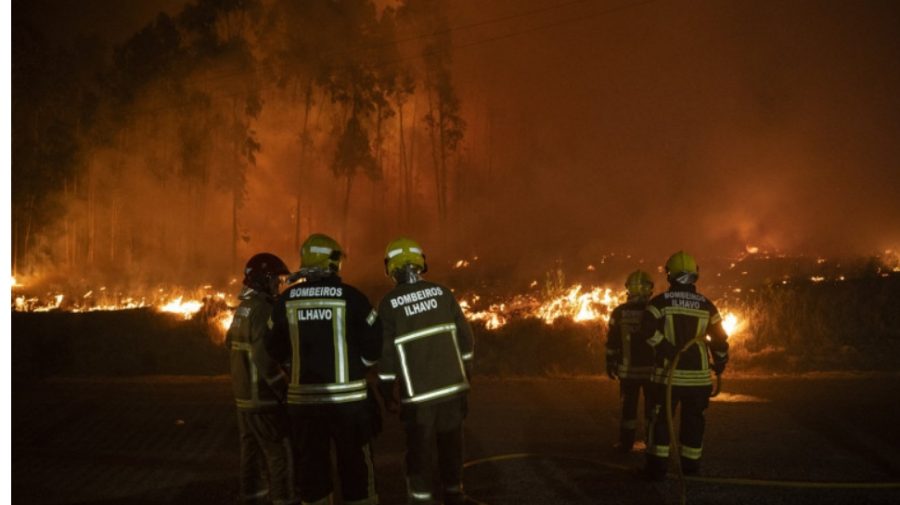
x=737, y=481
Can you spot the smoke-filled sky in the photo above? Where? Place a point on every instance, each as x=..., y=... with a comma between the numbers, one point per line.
x=644, y=127
x=685, y=124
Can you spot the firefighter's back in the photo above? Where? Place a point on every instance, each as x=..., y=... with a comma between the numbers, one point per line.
x=428, y=342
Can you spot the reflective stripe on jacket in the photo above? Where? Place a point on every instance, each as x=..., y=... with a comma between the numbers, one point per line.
x=428, y=344
x=328, y=333
x=633, y=357
x=255, y=375
x=676, y=317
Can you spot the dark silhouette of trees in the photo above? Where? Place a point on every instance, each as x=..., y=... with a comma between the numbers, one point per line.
x=142, y=153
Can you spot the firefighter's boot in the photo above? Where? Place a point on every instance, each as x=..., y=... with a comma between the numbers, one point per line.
x=626, y=440
x=656, y=468
x=690, y=466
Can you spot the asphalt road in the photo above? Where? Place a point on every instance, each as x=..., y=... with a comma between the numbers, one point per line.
x=174, y=440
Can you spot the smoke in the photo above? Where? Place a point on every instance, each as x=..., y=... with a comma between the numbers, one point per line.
x=700, y=125
x=592, y=127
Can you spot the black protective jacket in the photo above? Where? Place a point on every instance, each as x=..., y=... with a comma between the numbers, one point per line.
x=428, y=344
x=328, y=335
x=632, y=356
x=675, y=318
x=257, y=379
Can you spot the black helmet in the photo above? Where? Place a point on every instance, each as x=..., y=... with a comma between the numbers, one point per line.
x=262, y=272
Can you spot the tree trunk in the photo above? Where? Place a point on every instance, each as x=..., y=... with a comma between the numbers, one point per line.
x=91, y=218
x=404, y=169
x=29, y=220
x=15, y=246
x=346, y=210
x=235, y=199
x=435, y=157
x=302, y=164
x=443, y=158
x=113, y=215
x=412, y=173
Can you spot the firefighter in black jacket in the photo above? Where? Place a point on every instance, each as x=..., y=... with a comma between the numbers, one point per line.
x=331, y=336
x=629, y=358
x=682, y=319
x=425, y=367
x=259, y=387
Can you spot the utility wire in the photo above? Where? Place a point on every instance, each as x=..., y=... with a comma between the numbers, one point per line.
x=515, y=33
x=419, y=36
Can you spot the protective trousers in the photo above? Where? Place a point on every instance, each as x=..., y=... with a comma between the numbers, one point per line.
x=349, y=427
x=266, y=449
x=693, y=400
x=429, y=427
x=630, y=392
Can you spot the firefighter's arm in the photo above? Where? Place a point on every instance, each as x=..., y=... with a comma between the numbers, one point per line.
x=260, y=325
x=277, y=337
x=387, y=366
x=718, y=343
x=613, y=344
x=370, y=341
x=653, y=332
x=465, y=338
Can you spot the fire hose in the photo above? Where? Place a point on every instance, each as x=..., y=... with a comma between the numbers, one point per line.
x=737, y=481
x=673, y=441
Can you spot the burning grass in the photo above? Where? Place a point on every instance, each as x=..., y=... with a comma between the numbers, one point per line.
x=843, y=322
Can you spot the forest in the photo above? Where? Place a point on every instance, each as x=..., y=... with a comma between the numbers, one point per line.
x=229, y=127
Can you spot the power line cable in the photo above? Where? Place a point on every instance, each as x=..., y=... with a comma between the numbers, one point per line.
x=435, y=52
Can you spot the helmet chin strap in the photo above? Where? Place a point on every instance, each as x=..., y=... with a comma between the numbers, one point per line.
x=315, y=273
x=409, y=274
x=686, y=278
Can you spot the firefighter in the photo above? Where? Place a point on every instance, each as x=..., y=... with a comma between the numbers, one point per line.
x=260, y=387
x=329, y=333
x=628, y=358
x=672, y=320
x=424, y=373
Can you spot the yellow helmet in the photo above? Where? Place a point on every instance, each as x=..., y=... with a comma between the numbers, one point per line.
x=639, y=284
x=321, y=251
x=682, y=268
x=402, y=252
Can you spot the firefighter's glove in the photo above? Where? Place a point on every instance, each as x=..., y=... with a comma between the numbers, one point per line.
x=719, y=367
x=280, y=387
x=389, y=396
x=666, y=350
x=392, y=405
x=612, y=371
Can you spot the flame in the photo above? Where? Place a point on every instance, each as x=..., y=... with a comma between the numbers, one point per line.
x=493, y=317
x=588, y=306
x=187, y=308
x=817, y=278
x=223, y=320
x=751, y=249
x=13, y=283
x=461, y=264
x=212, y=307
x=731, y=323
x=576, y=303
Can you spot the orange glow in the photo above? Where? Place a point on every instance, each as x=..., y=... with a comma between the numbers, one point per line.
x=731, y=323
x=216, y=308
x=597, y=303
x=576, y=303
x=187, y=308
